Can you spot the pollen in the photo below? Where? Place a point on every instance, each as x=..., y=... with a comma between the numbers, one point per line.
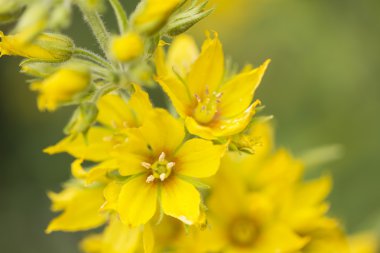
x=161, y=169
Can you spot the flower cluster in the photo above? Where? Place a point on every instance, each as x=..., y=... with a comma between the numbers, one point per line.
x=203, y=174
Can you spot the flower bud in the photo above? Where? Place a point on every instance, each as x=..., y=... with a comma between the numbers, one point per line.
x=62, y=86
x=46, y=47
x=37, y=68
x=127, y=47
x=151, y=15
x=184, y=20
x=82, y=119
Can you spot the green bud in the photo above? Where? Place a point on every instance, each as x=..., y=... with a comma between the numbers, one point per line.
x=184, y=20
x=82, y=119
x=37, y=68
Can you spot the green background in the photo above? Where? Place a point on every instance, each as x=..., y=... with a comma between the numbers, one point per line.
x=322, y=87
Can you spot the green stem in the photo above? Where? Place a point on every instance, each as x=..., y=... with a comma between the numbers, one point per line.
x=97, y=26
x=121, y=15
x=93, y=57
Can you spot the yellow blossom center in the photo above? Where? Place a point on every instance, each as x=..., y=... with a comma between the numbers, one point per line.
x=159, y=170
x=243, y=231
x=207, y=107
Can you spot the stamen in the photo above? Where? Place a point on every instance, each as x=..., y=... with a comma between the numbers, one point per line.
x=162, y=176
x=150, y=179
x=161, y=158
x=107, y=138
x=170, y=165
x=185, y=220
x=198, y=98
x=146, y=165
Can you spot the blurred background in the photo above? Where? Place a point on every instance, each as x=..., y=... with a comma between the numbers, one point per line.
x=322, y=87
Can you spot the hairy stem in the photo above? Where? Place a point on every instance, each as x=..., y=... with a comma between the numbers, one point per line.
x=97, y=26
x=121, y=15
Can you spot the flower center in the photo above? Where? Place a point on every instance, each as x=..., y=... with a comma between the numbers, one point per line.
x=243, y=231
x=160, y=169
x=207, y=106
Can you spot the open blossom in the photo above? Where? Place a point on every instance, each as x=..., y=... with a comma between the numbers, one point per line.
x=212, y=104
x=162, y=165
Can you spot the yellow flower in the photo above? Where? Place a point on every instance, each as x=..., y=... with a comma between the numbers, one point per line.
x=212, y=106
x=62, y=86
x=114, y=115
x=80, y=206
x=46, y=47
x=151, y=15
x=162, y=166
x=300, y=205
x=245, y=221
x=127, y=47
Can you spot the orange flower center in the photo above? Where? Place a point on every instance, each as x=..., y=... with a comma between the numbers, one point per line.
x=243, y=231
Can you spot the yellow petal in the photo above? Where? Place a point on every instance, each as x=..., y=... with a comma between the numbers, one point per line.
x=148, y=239
x=208, y=70
x=199, y=158
x=279, y=238
x=180, y=200
x=91, y=244
x=80, y=209
x=238, y=92
x=94, y=147
x=178, y=94
x=111, y=194
x=117, y=113
x=99, y=172
x=224, y=127
x=182, y=54
x=116, y=238
x=130, y=164
x=162, y=131
x=137, y=201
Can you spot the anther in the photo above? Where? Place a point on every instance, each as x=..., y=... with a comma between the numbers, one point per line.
x=150, y=179
x=198, y=98
x=161, y=158
x=170, y=165
x=146, y=165
x=162, y=176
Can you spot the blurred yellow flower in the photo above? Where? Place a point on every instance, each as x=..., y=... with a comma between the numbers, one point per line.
x=364, y=242
x=245, y=221
x=162, y=168
x=151, y=15
x=127, y=47
x=61, y=86
x=212, y=106
x=45, y=47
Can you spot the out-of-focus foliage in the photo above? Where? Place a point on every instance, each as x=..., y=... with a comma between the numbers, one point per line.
x=322, y=87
